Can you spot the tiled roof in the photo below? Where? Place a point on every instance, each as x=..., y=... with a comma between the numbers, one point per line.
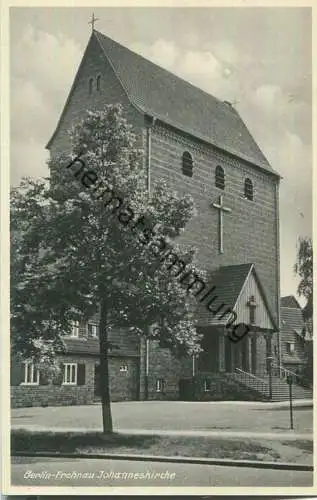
x=292, y=320
x=160, y=93
x=91, y=347
x=82, y=346
x=228, y=282
x=289, y=301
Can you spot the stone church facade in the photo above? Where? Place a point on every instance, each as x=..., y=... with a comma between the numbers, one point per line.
x=201, y=146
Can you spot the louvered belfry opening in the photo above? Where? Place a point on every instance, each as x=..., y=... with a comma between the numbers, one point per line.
x=187, y=164
x=220, y=177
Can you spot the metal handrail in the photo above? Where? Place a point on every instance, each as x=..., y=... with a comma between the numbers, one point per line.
x=250, y=374
x=254, y=382
x=285, y=371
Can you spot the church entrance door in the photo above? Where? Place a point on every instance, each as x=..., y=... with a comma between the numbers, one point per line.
x=186, y=389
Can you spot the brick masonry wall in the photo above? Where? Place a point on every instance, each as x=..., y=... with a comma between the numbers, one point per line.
x=250, y=230
x=223, y=388
x=123, y=385
x=162, y=364
x=93, y=64
x=261, y=354
x=55, y=395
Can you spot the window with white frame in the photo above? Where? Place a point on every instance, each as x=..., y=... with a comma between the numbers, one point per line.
x=290, y=347
x=70, y=374
x=207, y=385
x=123, y=368
x=31, y=374
x=75, y=329
x=92, y=330
x=160, y=385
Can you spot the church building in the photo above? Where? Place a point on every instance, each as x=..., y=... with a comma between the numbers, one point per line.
x=201, y=146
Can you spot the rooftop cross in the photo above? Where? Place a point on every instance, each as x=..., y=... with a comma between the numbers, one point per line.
x=93, y=20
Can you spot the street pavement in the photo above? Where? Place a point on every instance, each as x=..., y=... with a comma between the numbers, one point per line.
x=31, y=472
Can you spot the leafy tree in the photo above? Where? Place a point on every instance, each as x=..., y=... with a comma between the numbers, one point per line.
x=91, y=240
x=304, y=269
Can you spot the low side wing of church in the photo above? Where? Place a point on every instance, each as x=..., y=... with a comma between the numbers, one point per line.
x=201, y=146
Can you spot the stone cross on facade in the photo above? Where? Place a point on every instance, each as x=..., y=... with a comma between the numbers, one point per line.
x=93, y=20
x=252, y=306
x=221, y=209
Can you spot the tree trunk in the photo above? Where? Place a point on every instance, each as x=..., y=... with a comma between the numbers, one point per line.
x=104, y=370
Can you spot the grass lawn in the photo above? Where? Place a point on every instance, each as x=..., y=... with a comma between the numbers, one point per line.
x=96, y=442
x=302, y=444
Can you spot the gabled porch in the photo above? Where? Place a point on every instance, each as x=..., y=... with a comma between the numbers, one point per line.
x=238, y=289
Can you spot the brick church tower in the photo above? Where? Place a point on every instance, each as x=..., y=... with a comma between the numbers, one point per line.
x=201, y=146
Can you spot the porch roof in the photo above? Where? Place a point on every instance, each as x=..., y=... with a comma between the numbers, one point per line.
x=229, y=283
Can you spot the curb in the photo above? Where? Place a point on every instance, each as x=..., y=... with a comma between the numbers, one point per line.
x=172, y=459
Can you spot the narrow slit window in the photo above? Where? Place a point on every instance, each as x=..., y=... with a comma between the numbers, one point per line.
x=248, y=189
x=91, y=83
x=98, y=82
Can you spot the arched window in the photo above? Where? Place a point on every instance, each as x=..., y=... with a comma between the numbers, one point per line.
x=220, y=177
x=98, y=82
x=248, y=189
x=187, y=164
x=91, y=82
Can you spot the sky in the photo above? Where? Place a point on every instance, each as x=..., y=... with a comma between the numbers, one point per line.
x=258, y=58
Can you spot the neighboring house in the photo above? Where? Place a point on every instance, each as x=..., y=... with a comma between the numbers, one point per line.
x=78, y=380
x=201, y=146
x=293, y=331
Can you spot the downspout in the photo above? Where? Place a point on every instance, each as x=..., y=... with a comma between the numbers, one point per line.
x=149, y=125
x=277, y=225
x=147, y=364
x=150, y=121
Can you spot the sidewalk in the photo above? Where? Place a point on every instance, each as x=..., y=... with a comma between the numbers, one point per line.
x=290, y=435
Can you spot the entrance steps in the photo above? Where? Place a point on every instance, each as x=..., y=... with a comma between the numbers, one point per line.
x=280, y=388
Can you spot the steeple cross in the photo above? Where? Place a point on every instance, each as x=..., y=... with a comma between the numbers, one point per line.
x=219, y=206
x=93, y=20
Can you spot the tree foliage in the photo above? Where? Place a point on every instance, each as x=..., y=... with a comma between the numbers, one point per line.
x=304, y=268
x=74, y=253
